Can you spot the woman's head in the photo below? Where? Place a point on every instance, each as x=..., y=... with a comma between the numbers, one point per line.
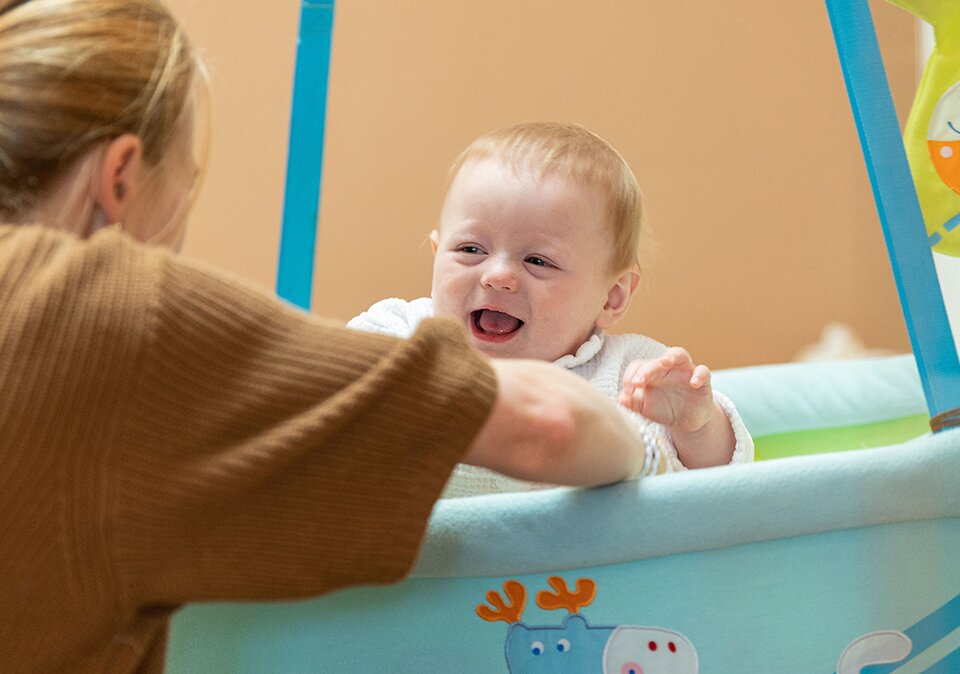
x=96, y=115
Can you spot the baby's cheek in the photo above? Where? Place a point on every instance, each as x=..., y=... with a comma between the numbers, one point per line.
x=946, y=160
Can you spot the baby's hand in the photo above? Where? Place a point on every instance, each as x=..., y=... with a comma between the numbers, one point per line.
x=669, y=390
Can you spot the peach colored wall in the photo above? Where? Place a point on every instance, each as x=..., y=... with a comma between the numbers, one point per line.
x=733, y=116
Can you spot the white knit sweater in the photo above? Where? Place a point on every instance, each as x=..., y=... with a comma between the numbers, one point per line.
x=601, y=360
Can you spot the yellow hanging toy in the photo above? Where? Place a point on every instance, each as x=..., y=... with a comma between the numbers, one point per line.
x=932, y=133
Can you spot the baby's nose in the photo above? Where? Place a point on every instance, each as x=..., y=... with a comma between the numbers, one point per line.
x=500, y=276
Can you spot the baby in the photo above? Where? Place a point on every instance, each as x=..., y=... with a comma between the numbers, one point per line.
x=536, y=255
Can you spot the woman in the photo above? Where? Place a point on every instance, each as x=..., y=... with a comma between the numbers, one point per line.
x=170, y=434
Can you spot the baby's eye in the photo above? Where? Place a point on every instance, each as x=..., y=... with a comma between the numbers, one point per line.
x=538, y=261
x=470, y=249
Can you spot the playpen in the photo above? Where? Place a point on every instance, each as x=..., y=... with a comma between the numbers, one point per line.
x=838, y=551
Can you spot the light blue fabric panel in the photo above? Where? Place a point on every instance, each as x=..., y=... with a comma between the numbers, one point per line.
x=305, y=156
x=792, y=397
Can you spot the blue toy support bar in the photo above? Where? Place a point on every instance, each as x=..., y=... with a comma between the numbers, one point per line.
x=898, y=207
x=298, y=236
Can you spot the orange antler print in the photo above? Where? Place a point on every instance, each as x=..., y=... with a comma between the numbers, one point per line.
x=564, y=598
x=508, y=612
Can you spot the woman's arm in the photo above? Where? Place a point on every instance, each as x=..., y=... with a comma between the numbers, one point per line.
x=548, y=425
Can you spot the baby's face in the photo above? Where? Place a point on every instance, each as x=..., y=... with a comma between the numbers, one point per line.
x=523, y=263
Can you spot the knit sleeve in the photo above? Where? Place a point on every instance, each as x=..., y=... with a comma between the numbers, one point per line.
x=268, y=453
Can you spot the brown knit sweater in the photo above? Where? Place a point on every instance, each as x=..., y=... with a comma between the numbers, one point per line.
x=170, y=435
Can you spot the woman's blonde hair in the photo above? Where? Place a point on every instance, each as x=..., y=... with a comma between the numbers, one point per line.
x=75, y=73
x=571, y=151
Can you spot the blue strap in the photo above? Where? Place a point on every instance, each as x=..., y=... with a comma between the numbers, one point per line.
x=897, y=203
x=298, y=235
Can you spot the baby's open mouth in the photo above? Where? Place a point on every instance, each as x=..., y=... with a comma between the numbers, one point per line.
x=490, y=324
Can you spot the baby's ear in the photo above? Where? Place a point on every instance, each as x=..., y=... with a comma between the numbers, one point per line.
x=434, y=240
x=618, y=298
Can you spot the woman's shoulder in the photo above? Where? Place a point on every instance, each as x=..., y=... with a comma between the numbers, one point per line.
x=58, y=264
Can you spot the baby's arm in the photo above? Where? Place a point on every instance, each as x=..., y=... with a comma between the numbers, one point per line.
x=671, y=390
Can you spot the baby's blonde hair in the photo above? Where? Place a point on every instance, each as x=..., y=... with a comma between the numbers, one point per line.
x=74, y=73
x=571, y=151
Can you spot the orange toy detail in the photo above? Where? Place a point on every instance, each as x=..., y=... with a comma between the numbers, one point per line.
x=509, y=612
x=946, y=159
x=564, y=598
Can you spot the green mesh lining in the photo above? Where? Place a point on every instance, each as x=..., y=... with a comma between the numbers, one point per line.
x=841, y=438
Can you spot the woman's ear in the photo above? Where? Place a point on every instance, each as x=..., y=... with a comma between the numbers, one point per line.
x=618, y=298
x=120, y=172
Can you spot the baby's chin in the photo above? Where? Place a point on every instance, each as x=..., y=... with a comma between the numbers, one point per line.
x=511, y=351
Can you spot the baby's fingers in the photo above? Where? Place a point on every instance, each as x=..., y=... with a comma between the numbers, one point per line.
x=640, y=373
x=701, y=377
x=649, y=372
x=676, y=356
x=630, y=372
x=633, y=400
